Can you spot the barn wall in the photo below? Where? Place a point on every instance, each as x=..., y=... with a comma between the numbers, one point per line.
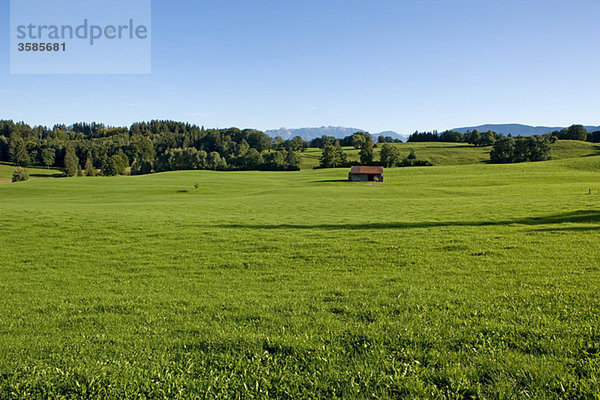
x=363, y=177
x=358, y=177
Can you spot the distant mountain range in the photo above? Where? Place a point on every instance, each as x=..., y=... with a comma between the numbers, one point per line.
x=335, y=131
x=519, y=129
x=341, y=132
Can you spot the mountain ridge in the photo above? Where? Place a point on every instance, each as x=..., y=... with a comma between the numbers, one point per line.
x=338, y=132
x=519, y=129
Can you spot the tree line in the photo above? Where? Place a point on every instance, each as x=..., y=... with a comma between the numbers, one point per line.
x=93, y=148
x=574, y=132
x=474, y=137
x=355, y=140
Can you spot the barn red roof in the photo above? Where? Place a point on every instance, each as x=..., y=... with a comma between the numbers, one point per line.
x=363, y=169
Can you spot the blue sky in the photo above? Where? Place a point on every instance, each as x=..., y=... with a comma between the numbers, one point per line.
x=370, y=64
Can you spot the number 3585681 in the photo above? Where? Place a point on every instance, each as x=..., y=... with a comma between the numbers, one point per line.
x=42, y=47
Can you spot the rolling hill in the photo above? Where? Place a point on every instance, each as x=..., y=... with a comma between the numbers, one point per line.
x=444, y=154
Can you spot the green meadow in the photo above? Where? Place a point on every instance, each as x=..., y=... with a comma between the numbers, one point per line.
x=461, y=280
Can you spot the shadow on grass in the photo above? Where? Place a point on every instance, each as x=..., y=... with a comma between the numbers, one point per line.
x=449, y=146
x=57, y=175
x=333, y=180
x=570, y=229
x=580, y=216
x=597, y=153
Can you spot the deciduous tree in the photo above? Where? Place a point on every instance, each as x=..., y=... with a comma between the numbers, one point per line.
x=366, y=153
x=19, y=175
x=48, y=156
x=332, y=156
x=390, y=155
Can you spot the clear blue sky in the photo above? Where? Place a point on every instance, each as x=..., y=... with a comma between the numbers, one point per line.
x=370, y=64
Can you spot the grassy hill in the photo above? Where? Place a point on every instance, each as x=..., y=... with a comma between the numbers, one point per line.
x=458, y=153
x=451, y=281
x=6, y=172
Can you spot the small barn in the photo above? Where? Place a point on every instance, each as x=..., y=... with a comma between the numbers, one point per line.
x=364, y=173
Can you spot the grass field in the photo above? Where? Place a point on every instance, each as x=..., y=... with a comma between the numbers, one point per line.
x=446, y=282
x=457, y=153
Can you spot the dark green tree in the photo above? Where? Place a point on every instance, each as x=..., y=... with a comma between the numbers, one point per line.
x=322, y=141
x=142, y=148
x=577, y=132
x=90, y=170
x=574, y=132
x=593, y=137
x=141, y=167
x=258, y=140
x=215, y=161
x=422, y=137
x=20, y=175
x=390, y=155
x=292, y=160
x=252, y=159
x=366, y=153
x=473, y=137
x=451, y=136
x=48, y=156
x=242, y=148
x=486, y=139
x=115, y=165
x=333, y=156
x=71, y=162
x=539, y=148
x=297, y=144
x=123, y=156
x=358, y=140
x=521, y=150
x=503, y=150
x=275, y=161
x=277, y=143
x=4, y=149
x=20, y=155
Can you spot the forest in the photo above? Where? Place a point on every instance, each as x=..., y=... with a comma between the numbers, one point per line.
x=93, y=148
